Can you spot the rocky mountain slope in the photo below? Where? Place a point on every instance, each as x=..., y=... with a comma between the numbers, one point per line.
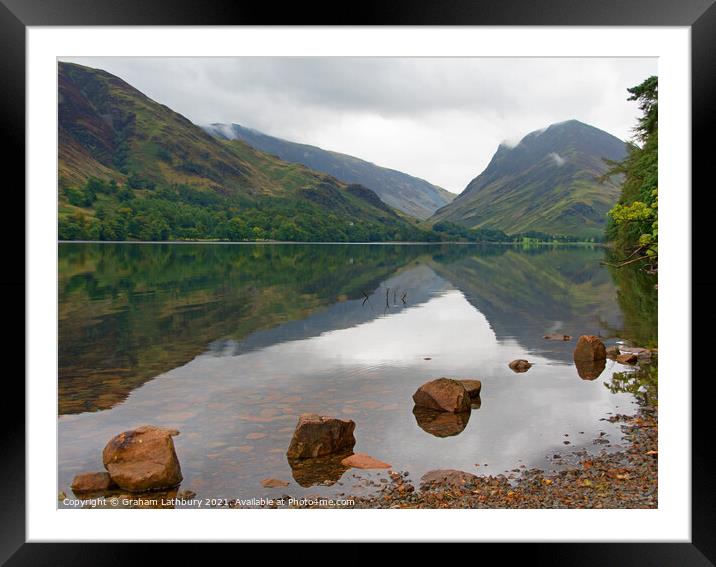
x=548, y=183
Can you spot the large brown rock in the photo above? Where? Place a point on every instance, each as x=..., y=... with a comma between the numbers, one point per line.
x=473, y=387
x=143, y=459
x=589, y=347
x=92, y=482
x=318, y=435
x=443, y=394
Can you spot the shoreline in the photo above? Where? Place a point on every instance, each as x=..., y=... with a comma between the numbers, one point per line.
x=382, y=243
x=623, y=479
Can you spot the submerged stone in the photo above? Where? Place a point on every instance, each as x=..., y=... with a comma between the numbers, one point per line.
x=274, y=483
x=520, y=365
x=363, y=461
x=557, y=337
x=92, y=482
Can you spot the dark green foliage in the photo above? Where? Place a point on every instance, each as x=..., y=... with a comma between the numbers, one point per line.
x=188, y=213
x=633, y=224
x=455, y=232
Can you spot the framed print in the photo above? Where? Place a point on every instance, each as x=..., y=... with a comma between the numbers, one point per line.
x=400, y=278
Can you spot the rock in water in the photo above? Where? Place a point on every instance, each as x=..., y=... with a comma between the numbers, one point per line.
x=92, y=482
x=555, y=337
x=473, y=388
x=520, y=365
x=363, y=461
x=318, y=435
x=589, y=347
x=143, y=459
x=274, y=483
x=628, y=358
x=443, y=394
x=613, y=352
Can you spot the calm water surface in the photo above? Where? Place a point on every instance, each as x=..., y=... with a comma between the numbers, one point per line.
x=231, y=343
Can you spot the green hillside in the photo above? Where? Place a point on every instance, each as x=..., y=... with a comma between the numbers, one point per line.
x=547, y=183
x=406, y=193
x=133, y=169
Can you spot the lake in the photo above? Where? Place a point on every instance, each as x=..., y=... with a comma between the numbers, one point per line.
x=230, y=343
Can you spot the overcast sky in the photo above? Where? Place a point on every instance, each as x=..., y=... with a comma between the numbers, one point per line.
x=439, y=119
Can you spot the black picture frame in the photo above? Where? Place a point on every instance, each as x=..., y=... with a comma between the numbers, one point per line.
x=17, y=15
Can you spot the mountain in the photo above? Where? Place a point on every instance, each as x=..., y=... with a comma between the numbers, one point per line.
x=546, y=183
x=411, y=195
x=131, y=168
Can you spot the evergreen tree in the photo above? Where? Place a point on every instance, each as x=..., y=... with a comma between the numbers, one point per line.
x=633, y=223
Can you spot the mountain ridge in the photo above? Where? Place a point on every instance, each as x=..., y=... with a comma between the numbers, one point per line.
x=412, y=195
x=548, y=183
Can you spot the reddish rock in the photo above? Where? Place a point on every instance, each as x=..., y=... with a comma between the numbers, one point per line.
x=473, y=388
x=274, y=483
x=363, y=461
x=628, y=358
x=555, y=337
x=520, y=365
x=443, y=394
x=143, y=459
x=589, y=347
x=92, y=482
x=613, y=352
x=447, y=478
x=317, y=436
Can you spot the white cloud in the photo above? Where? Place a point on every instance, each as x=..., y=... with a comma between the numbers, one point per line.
x=439, y=119
x=558, y=159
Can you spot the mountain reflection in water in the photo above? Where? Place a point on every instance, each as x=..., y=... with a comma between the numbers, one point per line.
x=231, y=343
